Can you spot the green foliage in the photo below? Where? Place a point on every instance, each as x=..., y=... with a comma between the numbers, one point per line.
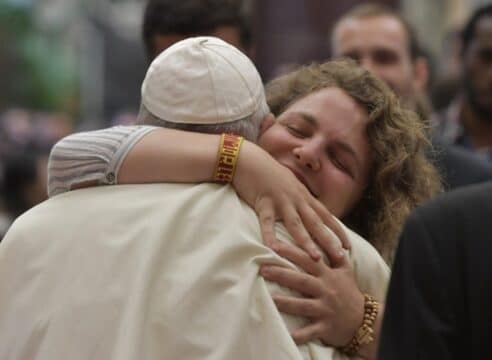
x=38, y=70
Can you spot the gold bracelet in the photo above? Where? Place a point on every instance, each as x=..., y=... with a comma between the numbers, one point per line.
x=364, y=334
x=227, y=157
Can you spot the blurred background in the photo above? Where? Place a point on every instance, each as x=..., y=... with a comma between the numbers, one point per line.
x=71, y=65
x=83, y=60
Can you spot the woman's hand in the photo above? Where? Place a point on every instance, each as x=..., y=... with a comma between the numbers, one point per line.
x=276, y=194
x=332, y=299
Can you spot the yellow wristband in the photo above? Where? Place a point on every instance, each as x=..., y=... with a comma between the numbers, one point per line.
x=227, y=157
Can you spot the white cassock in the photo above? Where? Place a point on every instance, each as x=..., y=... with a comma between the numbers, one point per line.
x=161, y=271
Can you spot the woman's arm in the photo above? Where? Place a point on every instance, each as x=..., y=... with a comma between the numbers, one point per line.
x=91, y=158
x=268, y=187
x=166, y=155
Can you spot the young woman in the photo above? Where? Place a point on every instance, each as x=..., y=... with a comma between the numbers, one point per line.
x=341, y=134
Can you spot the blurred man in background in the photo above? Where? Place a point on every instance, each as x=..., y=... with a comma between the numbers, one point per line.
x=166, y=22
x=384, y=43
x=468, y=120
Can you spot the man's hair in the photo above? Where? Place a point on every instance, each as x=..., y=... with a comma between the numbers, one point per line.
x=192, y=17
x=248, y=127
x=469, y=30
x=371, y=10
x=401, y=176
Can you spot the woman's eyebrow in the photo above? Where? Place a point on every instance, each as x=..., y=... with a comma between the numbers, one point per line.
x=308, y=118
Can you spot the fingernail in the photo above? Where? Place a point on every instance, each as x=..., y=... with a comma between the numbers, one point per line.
x=341, y=253
x=274, y=247
x=264, y=271
x=315, y=253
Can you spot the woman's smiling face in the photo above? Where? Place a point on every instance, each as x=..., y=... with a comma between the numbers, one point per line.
x=322, y=139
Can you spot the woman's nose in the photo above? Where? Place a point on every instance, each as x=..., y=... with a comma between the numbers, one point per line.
x=308, y=156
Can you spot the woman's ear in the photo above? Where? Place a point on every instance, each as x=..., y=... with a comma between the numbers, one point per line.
x=268, y=121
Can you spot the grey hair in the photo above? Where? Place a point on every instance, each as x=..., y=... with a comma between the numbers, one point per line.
x=248, y=127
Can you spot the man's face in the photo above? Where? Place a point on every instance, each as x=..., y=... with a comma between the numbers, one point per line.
x=478, y=68
x=229, y=34
x=379, y=44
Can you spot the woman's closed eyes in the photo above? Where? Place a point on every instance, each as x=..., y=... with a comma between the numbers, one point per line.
x=338, y=161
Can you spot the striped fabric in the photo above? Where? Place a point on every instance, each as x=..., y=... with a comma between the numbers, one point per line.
x=91, y=156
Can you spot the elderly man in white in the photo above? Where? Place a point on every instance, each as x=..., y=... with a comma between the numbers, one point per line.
x=159, y=271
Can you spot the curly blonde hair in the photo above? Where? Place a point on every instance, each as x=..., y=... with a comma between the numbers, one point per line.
x=401, y=176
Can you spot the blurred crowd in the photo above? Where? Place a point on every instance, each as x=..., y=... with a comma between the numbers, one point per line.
x=27, y=137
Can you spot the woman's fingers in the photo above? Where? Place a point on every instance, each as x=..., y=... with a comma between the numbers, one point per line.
x=297, y=256
x=292, y=279
x=307, y=333
x=266, y=215
x=296, y=228
x=330, y=221
x=297, y=306
x=327, y=239
x=265, y=209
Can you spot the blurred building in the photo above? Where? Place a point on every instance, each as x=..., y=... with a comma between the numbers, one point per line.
x=105, y=36
x=294, y=32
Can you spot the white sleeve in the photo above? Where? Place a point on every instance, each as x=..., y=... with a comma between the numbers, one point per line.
x=91, y=156
x=371, y=271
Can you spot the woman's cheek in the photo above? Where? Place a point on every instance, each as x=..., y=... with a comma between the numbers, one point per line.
x=337, y=192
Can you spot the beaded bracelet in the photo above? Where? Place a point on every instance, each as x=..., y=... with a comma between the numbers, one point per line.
x=364, y=334
x=227, y=157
